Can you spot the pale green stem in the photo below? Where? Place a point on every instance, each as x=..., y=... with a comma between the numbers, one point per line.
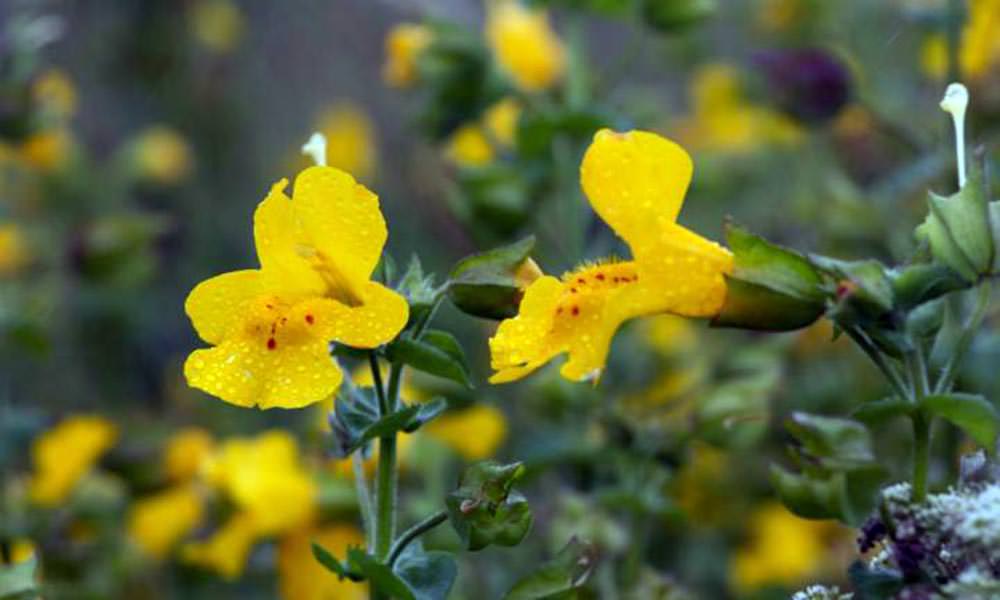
x=413, y=533
x=947, y=376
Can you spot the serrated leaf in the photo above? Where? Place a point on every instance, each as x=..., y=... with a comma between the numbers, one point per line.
x=436, y=352
x=569, y=570
x=972, y=413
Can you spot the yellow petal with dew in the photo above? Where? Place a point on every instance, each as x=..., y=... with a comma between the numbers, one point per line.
x=217, y=306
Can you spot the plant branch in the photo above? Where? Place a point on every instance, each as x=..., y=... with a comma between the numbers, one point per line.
x=947, y=376
x=413, y=533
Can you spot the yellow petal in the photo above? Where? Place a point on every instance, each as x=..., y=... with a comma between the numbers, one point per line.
x=342, y=223
x=279, y=237
x=301, y=577
x=244, y=372
x=525, y=45
x=63, y=455
x=226, y=551
x=633, y=180
x=158, y=522
x=523, y=344
x=216, y=306
x=382, y=314
x=475, y=432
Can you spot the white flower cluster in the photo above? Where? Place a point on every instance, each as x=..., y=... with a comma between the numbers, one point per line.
x=970, y=516
x=821, y=592
x=973, y=584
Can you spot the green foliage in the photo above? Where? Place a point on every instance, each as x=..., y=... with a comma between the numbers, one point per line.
x=567, y=571
x=485, y=509
x=959, y=230
x=435, y=352
x=973, y=413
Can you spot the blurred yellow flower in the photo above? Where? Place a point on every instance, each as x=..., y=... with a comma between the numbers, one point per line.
x=980, y=43
x=781, y=15
x=475, y=432
x=63, y=455
x=226, y=551
x=14, y=252
x=162, y=155
x=157, y=523
x=636, y=183
x=722, y=120
x=20, y=550
x=670, y=334
x=469, y=147
x=271, y=327
x=265, y=479
x=217, y=24
x=55, y=93
x=501, y=119
x=46, y=150
x=524, y=45
x=301, y=577
x=185, y=453
x=350, y=139
x=403, y=45
x=782, y=549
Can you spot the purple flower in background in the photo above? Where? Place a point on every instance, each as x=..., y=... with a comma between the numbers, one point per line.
x=809, y=84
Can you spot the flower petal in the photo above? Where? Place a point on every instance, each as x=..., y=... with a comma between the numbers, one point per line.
x=278, y=236
x=246, y=373
x=342, y=221
x=524, y=343
x=217, y=305
x=382, y=314
x=635, y=179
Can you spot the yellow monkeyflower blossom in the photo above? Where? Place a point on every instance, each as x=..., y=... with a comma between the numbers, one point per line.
x=226, y=551
x=350, y=139
x=162, y=155
x=980, y=44
x=724, y=121
x=301, y=577
x=63, y=455
x=524, y=45
x=469, y=147
x=500, y=120
x=217, y=24
x=14, y=254
x=185, y=453
x=403, y=45
x=157, y=523
x=55, y=93
x=636, y=183
x=475, y=432
x=265, y=479
x=271, y=327
x=782, y=549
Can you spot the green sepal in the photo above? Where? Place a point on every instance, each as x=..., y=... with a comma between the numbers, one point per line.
x=959, y=230
x=484, y=284
x=355, y=420
x=436, y=352
x=418, y=289
x=485, y=510
x=770, y=288
x=835, y=443
x=972, y=413
x=567, y=571
x=920, y=283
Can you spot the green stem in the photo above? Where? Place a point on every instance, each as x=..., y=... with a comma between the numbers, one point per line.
x=921, y=455
x=873, y=353
x=385, y=475
x=413, y=533
x=947, y=376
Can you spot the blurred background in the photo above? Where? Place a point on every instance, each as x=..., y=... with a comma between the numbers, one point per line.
x=136, y=139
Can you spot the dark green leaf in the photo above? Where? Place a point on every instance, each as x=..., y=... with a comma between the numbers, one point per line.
x=485, y=285
x=428, y=411
x=836, y=443
x=428, y=575
x=974, y=414
x=484, y=510
x=328, y=561
x=566, y=572
x=379, y=576
x=436, y=352
x=809, y=497
x=920, y=283
x=882, y=410
x=672, y=16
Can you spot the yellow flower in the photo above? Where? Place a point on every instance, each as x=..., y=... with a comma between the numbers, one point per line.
x=501, y=119
x=226, y=551
x=403, y=45
x=670, y=334
x=63, y=455
x=47, y=150
x=350, y=139
x=265, y=479
x=217, y=24
x=271, y=327
x=158, y=522
x=980, y=44
x=301, y=577
x=186, y=451
x=722, y=119
x=469, y=147
x=782, y=549
x=636, y=183
x=524, y=45
x=14, y=253
x=55, y=93
x=162, y=155
x=20, y=551
x=475, y=432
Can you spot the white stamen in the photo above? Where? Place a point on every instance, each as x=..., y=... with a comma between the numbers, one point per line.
x=315, y=148
x=955, y=101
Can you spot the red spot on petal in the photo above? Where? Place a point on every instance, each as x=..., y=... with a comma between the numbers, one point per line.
x=271, y=344
x=559, y=311
x=572, y=290
x=581, y=280
x=600, y=276
x=576, y=310
x=310, y=319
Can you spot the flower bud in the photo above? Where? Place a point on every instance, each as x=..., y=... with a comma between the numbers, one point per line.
x=491, y=284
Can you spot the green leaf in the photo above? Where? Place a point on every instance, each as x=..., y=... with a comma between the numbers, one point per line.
x=879, y=411
x=379, y=576
x=323, y=556
x=485, y=284
x=921, y=283
x=418, y=289
x=427, y=411
x=18, y=578
x=758, y=261
x=355, y=411
x=838, y=444
x=485, y=510
x=863, y=284
x=428, y=575
x=436, y=352
x=972, y=413
x=568, y=571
